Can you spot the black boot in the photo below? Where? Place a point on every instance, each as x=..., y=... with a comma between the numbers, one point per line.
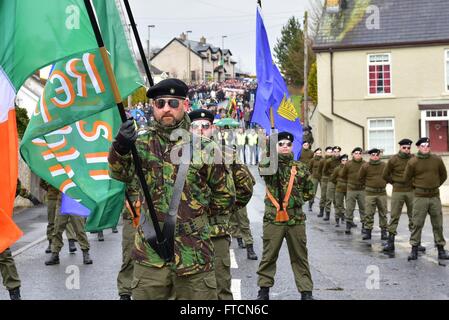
x=337, y=222
x=413, y=254
x=114, y=230
x=389, y=246
x=342, y=219
x=240, y=243
x=54, y=259
x=86, y=257
x=72, y=247
x=367, y=235
x=125, y=297
x=100, y=236
x=421, y=248
x=48, y=250
x=383, y=234
x=14, y=294
x=263, y=294
x=348, y=227
x=251, y=255
x=327, y=217
x=306, y=295
x=353, y=225
x=363, y=231
x=310, y=206
x=321, y=213
x=442, y=254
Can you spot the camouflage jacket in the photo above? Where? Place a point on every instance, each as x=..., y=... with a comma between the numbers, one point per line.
x=243, y=182
x=22, y=191
x=302, y=189
x=208, y=189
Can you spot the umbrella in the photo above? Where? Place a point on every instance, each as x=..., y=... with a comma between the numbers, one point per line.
x=227, y=122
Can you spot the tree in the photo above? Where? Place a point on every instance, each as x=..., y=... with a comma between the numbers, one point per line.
x=313, y=84
x=22, y=120
x=289, y=51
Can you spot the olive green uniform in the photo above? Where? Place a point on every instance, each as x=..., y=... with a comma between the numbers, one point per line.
x=306, y=156
x=61, y=222
x=375, y=193
x=355, y=190
x=340, y=191
x=240, y=226
x=314, y=165
x=324, y=179
x=8, y=270
x=293, y=230
x=328, y=169
x=427, y=173
x=402, y=190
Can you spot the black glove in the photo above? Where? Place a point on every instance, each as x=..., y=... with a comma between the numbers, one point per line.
x=125, y=138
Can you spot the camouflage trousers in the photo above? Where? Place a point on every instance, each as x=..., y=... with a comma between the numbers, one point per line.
x=151, y=283
x=421, y=207
x=125, y=275
x=315, y=182
x=223, y=267
x=60, y=225
x=273, y=237
x=8, y=270
x=52, y=205
x=239, y=226
x=353, y=198
x=340, y=205
x=330, y=196
x=398, y=199
x=371, y=203
x=323, y=196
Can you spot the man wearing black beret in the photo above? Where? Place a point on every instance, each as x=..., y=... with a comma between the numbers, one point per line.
x=355, y=190
x=188, y=271
x=340, y=190
x=316, y=176
x=402, y=191
x=427, y=173
x=328, y=169
x=324, y=180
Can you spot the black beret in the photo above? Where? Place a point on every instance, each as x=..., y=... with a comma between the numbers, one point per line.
x=328, y=148
x=285, y=136
x=201, y=114
x=344, y=157
x=357, y=149
x=337, y=147
x=317, y=149
x=374, y=150
x=304, y=142
x=168, y=87
x=422, y=140
x=405, y=142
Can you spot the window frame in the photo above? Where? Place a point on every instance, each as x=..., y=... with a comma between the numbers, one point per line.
x=383, y=128
x=369, y=63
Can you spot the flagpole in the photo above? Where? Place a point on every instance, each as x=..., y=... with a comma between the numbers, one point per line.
x=139, y=43
x=161, y=244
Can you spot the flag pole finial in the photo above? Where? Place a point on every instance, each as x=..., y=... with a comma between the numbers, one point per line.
x=259, y=2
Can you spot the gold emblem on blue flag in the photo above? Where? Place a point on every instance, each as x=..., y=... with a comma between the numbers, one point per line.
x=287, y=110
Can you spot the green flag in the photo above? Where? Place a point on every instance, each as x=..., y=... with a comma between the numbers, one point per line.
x=69, y=135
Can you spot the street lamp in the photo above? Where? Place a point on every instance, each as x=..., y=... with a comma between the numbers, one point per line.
x=149, y=50
x=188, y=55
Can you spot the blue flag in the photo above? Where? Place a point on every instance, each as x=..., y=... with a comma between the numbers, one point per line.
x=272, y=92
x=70, y=206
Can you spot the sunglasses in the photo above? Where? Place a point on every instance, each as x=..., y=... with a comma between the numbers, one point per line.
x=406, y=148
x=173, y=103
x=200, y=125
x=282, y=144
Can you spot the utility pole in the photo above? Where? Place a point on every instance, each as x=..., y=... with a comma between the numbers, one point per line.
x=149, y=50
x=188, y=56
x=306, y=71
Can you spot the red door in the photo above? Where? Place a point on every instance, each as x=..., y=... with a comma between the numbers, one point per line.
x=438, y=132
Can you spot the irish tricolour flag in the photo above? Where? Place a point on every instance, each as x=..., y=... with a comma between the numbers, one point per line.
x=33, y=34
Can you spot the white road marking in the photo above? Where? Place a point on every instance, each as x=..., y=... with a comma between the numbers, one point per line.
x=236, y=289
x=234, y=264
x=32, y=244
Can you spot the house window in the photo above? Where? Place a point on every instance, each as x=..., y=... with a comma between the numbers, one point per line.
x=446, y=55
x=381, y=135
x=379, y=74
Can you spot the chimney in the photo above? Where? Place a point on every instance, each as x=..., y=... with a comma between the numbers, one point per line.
x=183, y=36
x=203, y=40
x=334, y=6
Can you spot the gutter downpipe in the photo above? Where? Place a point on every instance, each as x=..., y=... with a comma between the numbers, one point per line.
x=332, y=100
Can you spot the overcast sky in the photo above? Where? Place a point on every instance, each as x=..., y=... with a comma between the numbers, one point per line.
x=212, y=19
